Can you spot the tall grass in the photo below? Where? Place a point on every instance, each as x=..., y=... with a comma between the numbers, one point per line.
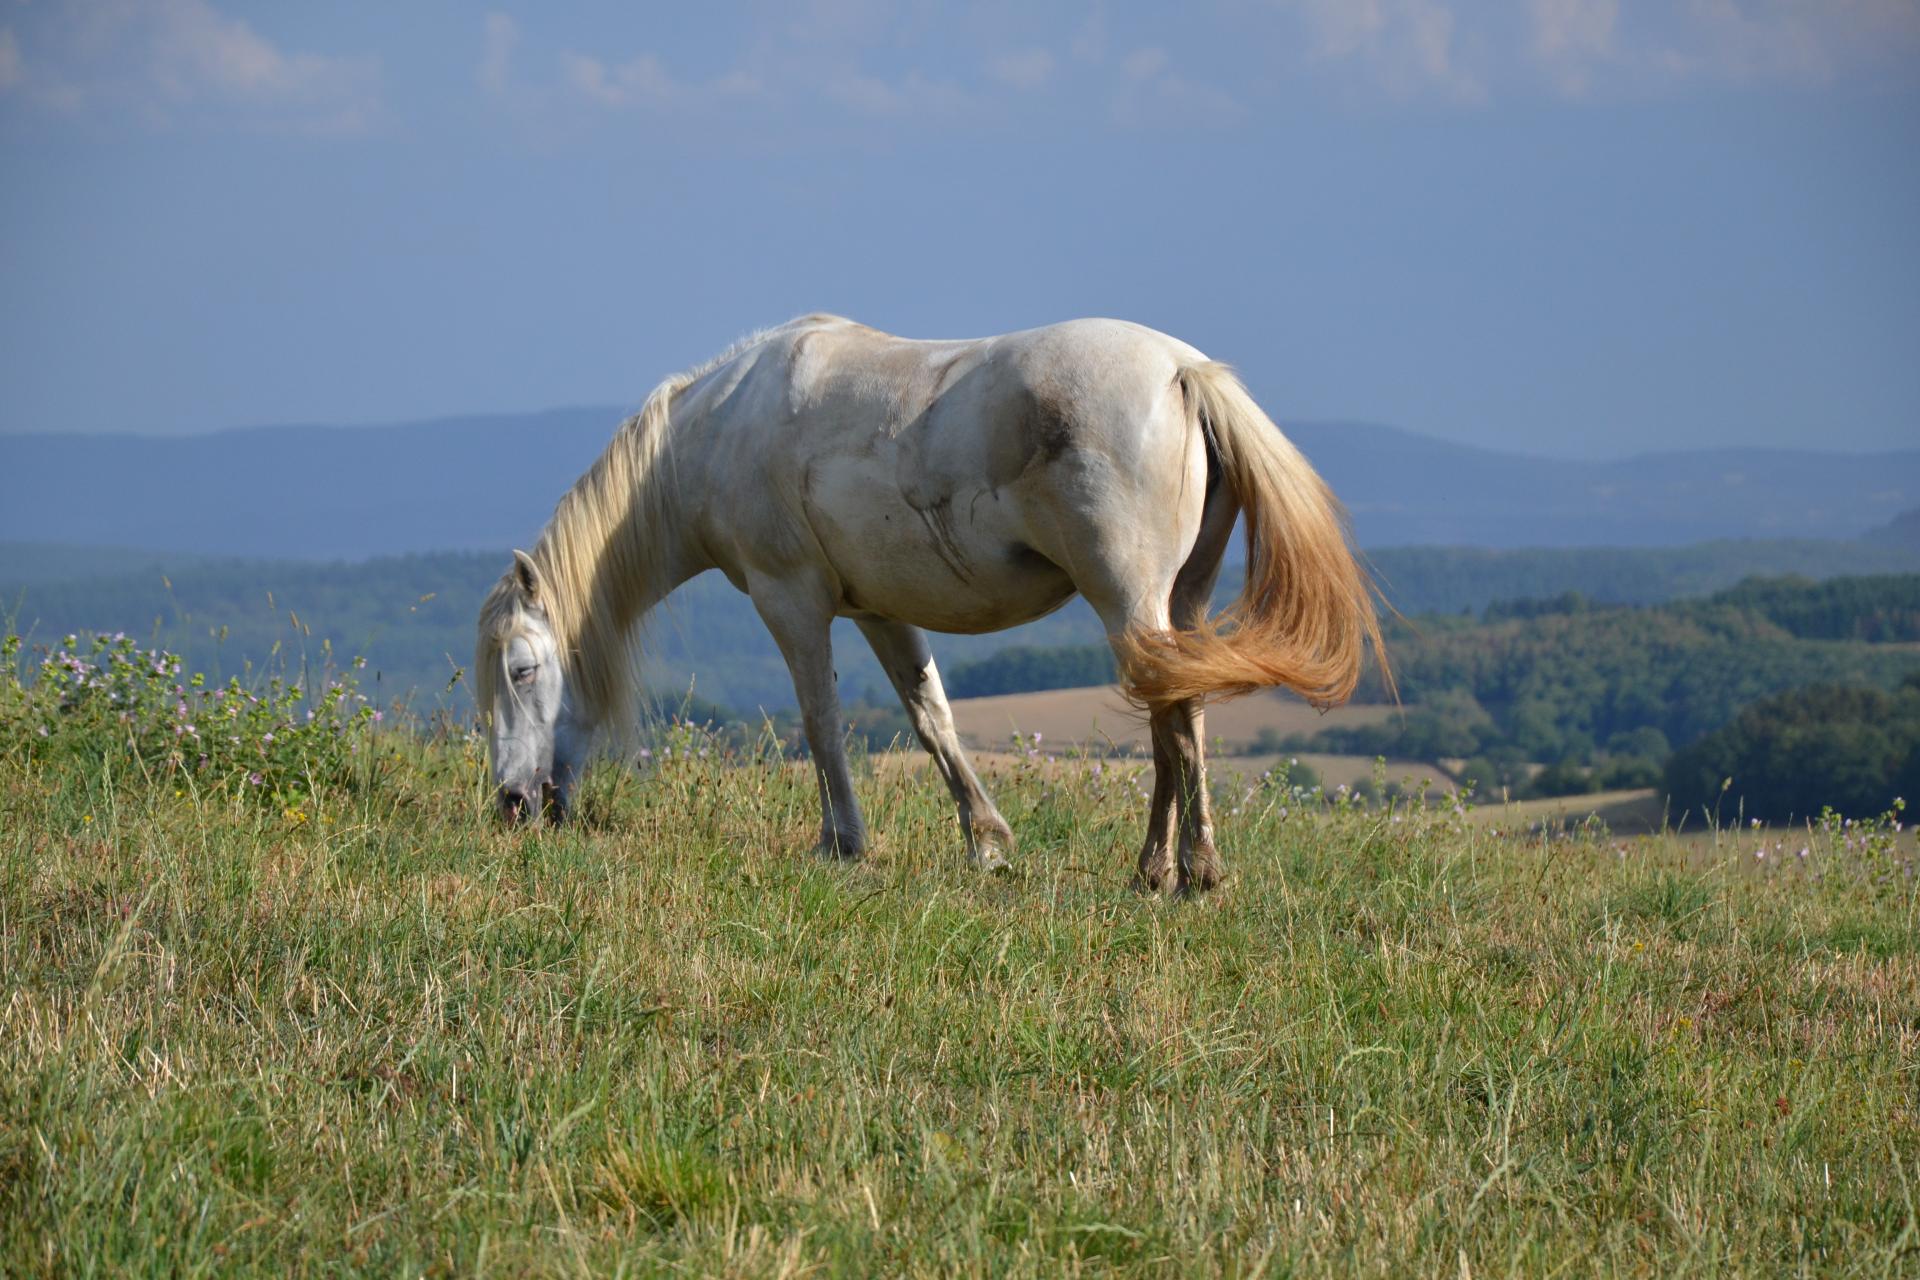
x=372, y=1032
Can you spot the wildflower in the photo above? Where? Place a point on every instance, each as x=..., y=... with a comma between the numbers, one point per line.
x=255, y=780
x=296, y=816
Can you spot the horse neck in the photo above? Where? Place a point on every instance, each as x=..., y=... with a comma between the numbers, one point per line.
x=618, y=543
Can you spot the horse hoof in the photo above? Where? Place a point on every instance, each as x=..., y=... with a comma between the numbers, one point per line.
x=989, y=860
x=1148, y=883
x=839, y=849
x=1198, y=881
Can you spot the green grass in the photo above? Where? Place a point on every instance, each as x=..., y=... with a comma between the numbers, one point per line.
x=383, y=1036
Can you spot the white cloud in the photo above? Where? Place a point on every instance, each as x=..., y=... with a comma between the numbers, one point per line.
x=1151, y=93
x=645, y=80
x=11, y=70
x=502, y=37
x=1570, y=38
x=638, y=78
x=1753, y=43
x=1587, y=46
x=1343, y=27
x=1406, y=47
x=1451, y=49
x=1089, y=43
x=1573, y=28
x=1022, y=68
x=1143, y=64
x=170, y=62
x=913, y=94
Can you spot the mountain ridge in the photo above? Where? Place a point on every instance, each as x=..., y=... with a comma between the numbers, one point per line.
x=315, y=491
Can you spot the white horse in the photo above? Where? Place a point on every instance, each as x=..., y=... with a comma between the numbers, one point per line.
x=830, y=470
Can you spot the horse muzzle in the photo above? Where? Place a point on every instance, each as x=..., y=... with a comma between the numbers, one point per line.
x=518, y=805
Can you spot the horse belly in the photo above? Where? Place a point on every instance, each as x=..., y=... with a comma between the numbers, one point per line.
x=957, y=566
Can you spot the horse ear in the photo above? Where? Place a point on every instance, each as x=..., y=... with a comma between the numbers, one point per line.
x=526, y=575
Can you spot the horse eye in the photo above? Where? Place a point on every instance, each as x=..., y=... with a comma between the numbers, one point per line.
x=524, y=675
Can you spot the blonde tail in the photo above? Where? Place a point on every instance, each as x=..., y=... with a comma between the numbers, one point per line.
x=1305, y=616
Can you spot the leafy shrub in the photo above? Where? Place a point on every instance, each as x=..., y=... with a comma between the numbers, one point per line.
x=1627, y=773
x=107, y=700
x=1562, y=779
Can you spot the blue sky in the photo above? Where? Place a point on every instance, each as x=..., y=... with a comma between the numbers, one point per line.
x=1570, y=227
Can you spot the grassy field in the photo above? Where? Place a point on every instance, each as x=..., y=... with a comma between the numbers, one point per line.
x=372, y=1033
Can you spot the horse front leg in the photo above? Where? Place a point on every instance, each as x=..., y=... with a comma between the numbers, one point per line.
x=801, y=620
x=908, y=662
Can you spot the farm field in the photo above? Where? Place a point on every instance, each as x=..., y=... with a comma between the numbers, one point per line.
x=1222, y=771
x=1095, y=716
x=1643, y=811
x=371, y=1032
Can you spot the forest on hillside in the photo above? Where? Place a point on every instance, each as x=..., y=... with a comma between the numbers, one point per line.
x=1797, y=755
x=1606, y=692
x=1600, y=693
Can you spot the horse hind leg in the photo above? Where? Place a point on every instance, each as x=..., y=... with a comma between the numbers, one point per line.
x=1156, y=869
x=908, y=662
x=1179, y=849
x=1201, y=868
x=1159, y=866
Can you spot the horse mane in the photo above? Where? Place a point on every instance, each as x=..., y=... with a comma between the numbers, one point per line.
x=598, y=562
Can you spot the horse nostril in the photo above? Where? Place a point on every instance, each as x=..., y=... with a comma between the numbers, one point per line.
x=514, y=804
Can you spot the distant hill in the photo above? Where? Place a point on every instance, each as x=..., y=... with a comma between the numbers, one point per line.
x=1451, y=579
x=412, y=616
x=1903, y=532
x=465, y=483
x=1408, y=489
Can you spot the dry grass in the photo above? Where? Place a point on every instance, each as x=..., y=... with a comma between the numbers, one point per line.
x=392, y=1039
